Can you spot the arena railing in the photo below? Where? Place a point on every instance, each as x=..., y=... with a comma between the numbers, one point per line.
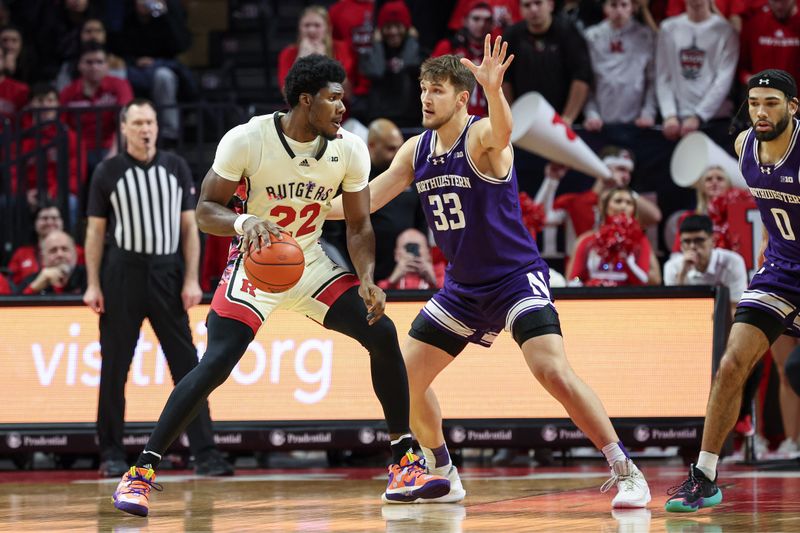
x=202, y=125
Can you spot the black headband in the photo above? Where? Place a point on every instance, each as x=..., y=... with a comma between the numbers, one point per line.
x=774, y=79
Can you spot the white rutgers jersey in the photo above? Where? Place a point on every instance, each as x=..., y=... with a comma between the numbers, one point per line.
x=288, y=182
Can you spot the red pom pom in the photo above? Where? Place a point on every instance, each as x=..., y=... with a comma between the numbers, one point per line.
x=718, y=212
x=533, y=214
x=617, y=238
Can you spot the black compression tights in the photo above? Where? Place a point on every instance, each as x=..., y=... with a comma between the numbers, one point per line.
x=389, y=377
x=227, y=341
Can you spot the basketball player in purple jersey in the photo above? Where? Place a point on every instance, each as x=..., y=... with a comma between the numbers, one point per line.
x=769, y=158
x=463, y=169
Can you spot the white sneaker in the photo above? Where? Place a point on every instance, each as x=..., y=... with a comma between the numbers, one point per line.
x=457, y=492
x=761, y=445
x=632, y=489
x=788, y=449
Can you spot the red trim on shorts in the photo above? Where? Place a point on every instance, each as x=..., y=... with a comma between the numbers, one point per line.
x=221, y=305
x=332, y=292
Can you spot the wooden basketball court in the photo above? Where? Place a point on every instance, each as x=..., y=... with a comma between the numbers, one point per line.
x=347, y=500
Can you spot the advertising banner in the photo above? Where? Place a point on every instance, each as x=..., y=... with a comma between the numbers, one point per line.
x=646, y=358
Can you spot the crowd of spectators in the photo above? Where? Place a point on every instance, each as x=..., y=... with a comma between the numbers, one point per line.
x=678, y=65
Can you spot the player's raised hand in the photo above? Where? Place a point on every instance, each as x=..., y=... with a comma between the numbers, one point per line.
x=375, y=299
x=494, y=65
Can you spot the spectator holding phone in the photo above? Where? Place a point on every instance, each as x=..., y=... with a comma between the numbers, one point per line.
x=415, y=269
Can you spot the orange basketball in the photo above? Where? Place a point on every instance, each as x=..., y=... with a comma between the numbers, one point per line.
x=276, y=268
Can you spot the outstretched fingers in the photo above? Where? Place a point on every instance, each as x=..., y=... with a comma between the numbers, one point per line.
x=469, y=64
x=507, y=63
x=503, y=45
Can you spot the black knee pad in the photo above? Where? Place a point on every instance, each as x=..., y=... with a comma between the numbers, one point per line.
x=792, y=369
x=540, y=322
x=768, y=323
x=424, y=331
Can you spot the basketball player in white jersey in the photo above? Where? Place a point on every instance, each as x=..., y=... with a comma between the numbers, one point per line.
x=285, y=169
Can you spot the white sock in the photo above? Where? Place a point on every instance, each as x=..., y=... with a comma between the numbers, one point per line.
x=430, y=459
x=613, y=453
x=707, y=463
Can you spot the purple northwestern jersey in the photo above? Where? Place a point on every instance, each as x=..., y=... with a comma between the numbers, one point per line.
x=475, y=219
x=776, y=189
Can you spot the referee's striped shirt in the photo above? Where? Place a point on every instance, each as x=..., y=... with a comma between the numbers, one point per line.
x=143, y=203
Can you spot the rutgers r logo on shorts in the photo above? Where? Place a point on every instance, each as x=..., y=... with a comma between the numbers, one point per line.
x=248, y=287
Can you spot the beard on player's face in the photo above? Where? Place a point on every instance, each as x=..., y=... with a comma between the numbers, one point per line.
x=777, y=129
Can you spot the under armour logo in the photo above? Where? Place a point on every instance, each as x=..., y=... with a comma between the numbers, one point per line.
x=437, y=160
x=766, y=170
x=304, y=163
x=763, y=81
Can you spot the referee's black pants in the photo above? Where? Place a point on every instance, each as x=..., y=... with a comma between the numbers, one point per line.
x=135, y=287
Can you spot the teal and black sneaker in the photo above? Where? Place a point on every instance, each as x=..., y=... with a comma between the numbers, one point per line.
x=695, y=493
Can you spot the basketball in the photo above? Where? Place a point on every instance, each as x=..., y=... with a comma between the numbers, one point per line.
x=276, y=268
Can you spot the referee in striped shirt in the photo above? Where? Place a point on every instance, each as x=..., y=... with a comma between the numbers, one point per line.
x=141, y=212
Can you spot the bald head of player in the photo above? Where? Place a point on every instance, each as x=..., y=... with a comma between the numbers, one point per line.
x=313, y=89
x=383, y=140
x=771, y=102
x=445, y=86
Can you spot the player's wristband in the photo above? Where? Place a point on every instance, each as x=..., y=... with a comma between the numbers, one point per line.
x=239, y=222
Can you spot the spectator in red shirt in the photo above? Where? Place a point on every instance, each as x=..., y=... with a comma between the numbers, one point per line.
x=468, y=42
x=25, y=259
x=46, y=131
x=504, y=13
x=13, y=93
x=5, y=286
x=93, y=29
x=602, y=261
x=314, y=37
x=95, y=88
x=60, y=273
x=351, y=22
x=771, y=39
x=580, y=208
x=415, y=268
